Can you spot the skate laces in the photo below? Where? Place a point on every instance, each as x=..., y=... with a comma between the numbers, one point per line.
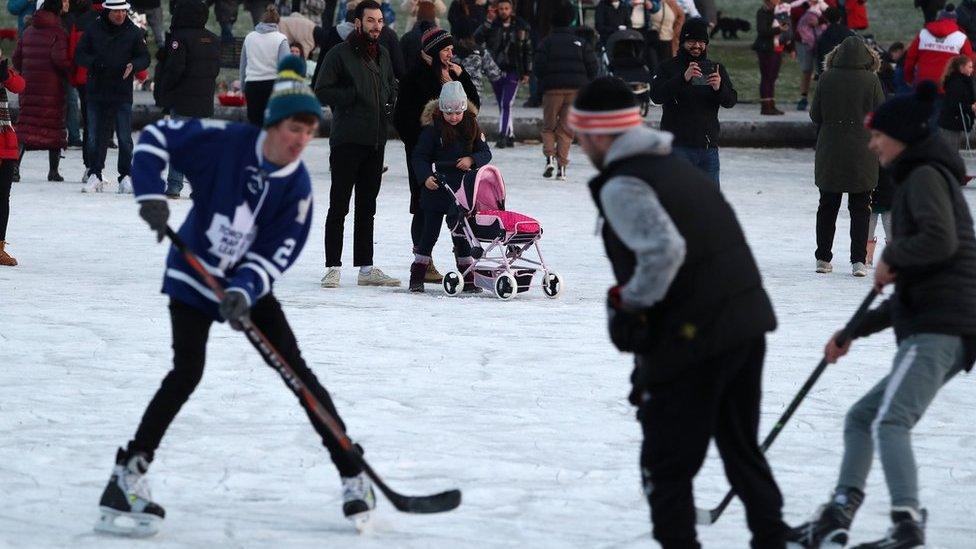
x=134, y=480
x=354, y=488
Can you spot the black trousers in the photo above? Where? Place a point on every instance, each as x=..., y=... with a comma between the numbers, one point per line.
x=7, y=167
x=719, y=398
x=417, y=220
x=191, y=329
x=257, y=93
x=359, y=168
x=432, y=229
x=859, y=206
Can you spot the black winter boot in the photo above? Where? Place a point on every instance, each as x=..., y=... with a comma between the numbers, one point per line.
x=907, y=531
x=418, y=272
x=53, y=161
x=831, y=524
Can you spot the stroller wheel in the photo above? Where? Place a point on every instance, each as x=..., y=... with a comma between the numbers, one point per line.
x=453, y=283
x=552, y=285
x=505, y=286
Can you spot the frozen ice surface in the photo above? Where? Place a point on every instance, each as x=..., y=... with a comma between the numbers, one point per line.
x=520, y=404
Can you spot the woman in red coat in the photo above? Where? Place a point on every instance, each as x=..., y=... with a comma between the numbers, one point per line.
x=42, y=58
x=9, y=152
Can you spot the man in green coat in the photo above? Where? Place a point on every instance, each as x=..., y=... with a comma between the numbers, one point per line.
x=357, y=82
x=848, y=90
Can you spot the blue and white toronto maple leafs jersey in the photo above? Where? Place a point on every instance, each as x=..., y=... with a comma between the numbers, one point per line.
x=249, y=219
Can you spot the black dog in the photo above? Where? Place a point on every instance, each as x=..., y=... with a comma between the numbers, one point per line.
x=730, y=27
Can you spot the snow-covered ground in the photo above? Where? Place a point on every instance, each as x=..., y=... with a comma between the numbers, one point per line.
x=521, y=404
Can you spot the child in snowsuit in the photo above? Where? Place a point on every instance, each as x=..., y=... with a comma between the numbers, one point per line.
x=451, y=137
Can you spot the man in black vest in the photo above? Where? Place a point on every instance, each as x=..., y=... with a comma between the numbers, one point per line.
x=187, y=72
x=689, y=303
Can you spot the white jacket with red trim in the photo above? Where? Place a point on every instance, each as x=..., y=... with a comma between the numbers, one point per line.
x=932, y=49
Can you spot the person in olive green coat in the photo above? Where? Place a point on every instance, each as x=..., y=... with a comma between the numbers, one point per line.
x=848, y=90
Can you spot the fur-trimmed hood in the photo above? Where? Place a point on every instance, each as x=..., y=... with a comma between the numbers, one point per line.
x=853, y=53
x=427, y=115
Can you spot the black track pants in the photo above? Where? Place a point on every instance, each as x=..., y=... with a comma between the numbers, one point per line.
x=191, y=330
x=719, y=398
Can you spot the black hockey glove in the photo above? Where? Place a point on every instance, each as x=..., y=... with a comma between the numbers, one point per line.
x=627, y=326
x=4, y=70
x=233, y=307
x=156, y=214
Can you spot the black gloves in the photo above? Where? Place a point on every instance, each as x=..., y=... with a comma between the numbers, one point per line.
x=628, y=327
x=4, y=70
x=156, y=214
x=234, y=307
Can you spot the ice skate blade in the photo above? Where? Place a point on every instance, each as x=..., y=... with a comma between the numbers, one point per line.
x=362, y=522
x=133, y=525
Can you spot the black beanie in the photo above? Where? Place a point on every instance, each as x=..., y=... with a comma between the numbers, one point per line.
x=906, y=117
x=607, y=93
x=563, y=15
x=695, y=28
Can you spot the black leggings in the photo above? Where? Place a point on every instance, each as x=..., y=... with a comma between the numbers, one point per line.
x=7, y=168
x=191, y=329
x=432, y=229
x=859, y=206
x=257, y=94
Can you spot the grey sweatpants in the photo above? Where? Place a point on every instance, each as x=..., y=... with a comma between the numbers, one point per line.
x=887, y=413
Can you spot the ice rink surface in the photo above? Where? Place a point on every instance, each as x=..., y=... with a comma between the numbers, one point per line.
x=521, y=404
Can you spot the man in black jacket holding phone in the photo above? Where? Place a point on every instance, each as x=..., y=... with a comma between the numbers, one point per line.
x=690, y=87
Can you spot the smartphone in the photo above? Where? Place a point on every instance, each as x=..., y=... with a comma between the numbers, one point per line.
x=706, y=67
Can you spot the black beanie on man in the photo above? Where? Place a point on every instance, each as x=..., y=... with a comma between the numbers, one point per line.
x=695, y=28
x=563, y=15
x=607, y=93
x=906, y=117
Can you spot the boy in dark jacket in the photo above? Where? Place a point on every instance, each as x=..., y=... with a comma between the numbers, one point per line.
x=931, y=260
x=564, y=63
x=113, y=50
x=690, y=87
x=187, y=72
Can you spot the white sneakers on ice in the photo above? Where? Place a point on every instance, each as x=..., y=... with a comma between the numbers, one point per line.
x=125, y=186
x=561, y=173
x=358, y=499
x=92, y=184
x=859, y=269
x=376, y=277
x=824, y=267
x=331, y=278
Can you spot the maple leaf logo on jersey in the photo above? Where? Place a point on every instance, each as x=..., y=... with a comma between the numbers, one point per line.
x=231, y=239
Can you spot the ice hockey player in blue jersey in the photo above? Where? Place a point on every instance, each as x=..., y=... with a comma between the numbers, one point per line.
x=252, y=206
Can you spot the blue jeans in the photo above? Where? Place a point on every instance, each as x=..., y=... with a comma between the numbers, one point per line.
x=73, y=117
x=705, y=159
x=103, y=118
x=174, y=179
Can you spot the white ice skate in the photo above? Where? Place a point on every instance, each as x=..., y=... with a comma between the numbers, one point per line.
x=358, y=500
x=126, y=506
x=125, y=186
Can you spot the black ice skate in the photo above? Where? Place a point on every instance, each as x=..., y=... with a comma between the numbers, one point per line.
x=126, y=506
x=358, y=499
x=907, y=531
x=831, y=523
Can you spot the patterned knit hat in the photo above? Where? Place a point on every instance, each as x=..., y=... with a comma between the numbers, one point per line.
x=605, y=106
x=906, y=117
x=453, y=99
x=434, y=40
x=291, y=95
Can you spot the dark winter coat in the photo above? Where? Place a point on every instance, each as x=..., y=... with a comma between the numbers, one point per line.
x=410, y=44
x=716, y=301
x=464, y=24
x=360, y=90
x=690, y=111
x=933, y=251
x=966, y=18
x=105, y=49
x=564, y=61
x=832, y=36
x=848, y=90
x=417, y=88
x=765, y=31
x=430, y=150
x=510, y=46
x=609, y=19
x=957, y=105
x=187, y=73
x=142, y=6
x=41, y=57
x=883, y=193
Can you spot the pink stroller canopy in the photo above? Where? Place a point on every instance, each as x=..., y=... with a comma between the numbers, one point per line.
x=481, y=190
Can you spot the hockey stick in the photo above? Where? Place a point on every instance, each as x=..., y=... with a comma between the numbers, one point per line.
x=706, y=517
x=435, y=503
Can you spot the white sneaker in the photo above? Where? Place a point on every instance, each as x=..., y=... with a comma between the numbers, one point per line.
x=824, y=267
x=358, y=499
x=376, y=277
x=561, y=173
x=92, y=184
x=859, y=269
x=331, y=278
x=125, y=186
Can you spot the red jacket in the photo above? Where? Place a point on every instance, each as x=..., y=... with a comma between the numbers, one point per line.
x=42, y=58
x=9, y=148
x=857, y=14
x=932, y=49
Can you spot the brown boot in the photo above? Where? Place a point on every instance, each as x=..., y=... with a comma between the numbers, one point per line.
x=769, y=108
x=870, y=255
x=432, y=276
x=5, y=258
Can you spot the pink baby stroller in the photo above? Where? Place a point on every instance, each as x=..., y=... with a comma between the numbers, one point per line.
x=502, y=267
